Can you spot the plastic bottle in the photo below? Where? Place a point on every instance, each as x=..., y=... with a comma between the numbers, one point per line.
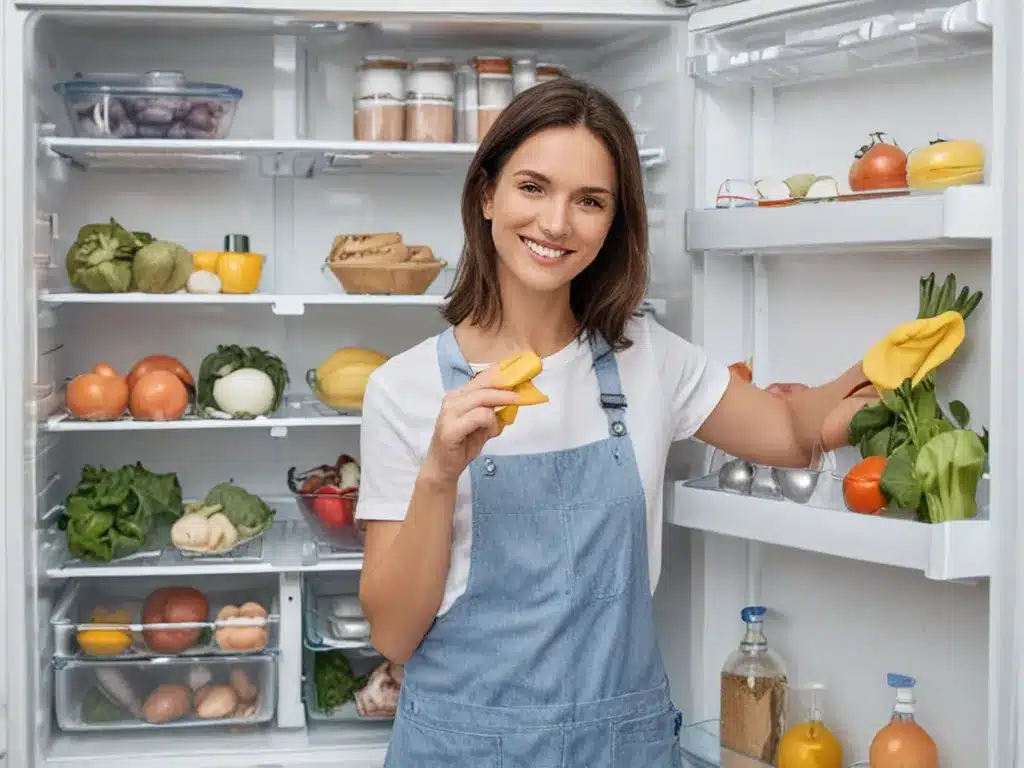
x=902, y=743
x=753, y=697
x=811, y=744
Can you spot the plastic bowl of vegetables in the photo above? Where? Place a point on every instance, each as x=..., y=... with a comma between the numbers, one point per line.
x=327, y=497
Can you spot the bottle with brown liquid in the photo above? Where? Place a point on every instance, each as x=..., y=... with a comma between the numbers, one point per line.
x=753, y=698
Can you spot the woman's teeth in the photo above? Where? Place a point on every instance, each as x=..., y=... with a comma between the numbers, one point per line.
x=543, y=251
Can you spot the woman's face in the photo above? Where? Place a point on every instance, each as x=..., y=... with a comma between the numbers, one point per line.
x=551, y=208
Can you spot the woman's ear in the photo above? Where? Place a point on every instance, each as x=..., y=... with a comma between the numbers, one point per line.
x=487, y=204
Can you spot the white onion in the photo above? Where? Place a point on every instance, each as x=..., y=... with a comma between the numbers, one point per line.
x=247, y=390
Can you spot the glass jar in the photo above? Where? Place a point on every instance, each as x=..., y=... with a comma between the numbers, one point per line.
x=524, y=75
x=810, y=743
x=430, y=101
x=380, y=99
x=466, y=103
x=753, y=697
x=547, y=72
x=494, y=90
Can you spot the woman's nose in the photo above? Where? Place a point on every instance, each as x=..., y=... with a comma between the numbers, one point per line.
x=554, y=220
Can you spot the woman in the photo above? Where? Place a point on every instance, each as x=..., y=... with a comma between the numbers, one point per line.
x=512, y=574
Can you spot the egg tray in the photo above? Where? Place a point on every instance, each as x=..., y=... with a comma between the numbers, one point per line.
x=79, y=601
x=814, y=487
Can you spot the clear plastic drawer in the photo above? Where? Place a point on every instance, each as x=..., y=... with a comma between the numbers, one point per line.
x=103, y=618
x=176, y=692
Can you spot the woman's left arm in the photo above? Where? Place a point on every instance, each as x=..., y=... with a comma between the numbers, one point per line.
x=774, y=430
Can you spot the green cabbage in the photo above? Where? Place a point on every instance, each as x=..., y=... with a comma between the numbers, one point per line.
x=161, y=267
x=100, y=259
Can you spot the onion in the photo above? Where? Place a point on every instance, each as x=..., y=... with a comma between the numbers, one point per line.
x=878, y=165
x=101, y=395
x=160, y=363
x=245, y=391
x=158, y=396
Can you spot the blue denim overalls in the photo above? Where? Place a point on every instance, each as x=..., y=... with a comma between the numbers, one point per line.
x=549, y=658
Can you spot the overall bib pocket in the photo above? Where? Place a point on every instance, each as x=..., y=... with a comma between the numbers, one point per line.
x=646, y=742
x=414, y=743
x=603, y=544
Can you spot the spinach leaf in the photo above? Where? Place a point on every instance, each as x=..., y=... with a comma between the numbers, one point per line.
x=898, y=480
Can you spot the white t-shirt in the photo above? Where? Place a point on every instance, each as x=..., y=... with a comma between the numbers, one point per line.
x=670, y=385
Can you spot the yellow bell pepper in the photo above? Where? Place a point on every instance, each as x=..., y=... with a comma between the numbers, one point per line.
x=912, y=350
x=106, y=642
x=205, y=261
x=239, y=272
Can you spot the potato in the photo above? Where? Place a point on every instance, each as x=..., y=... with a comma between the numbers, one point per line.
x=166, y=704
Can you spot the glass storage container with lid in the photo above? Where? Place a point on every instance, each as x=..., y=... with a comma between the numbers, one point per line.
x=547, y=71
x=380, y=99
x=495, y=89
x=160, y=104
x=430, y=101
x=754, y=691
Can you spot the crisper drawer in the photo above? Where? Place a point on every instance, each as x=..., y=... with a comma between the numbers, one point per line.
x=105, y=618
x=133, y=694
x=331, y=615
x=352, y=685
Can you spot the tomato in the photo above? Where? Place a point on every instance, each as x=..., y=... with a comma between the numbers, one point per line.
x=862, y=486
x=332, y=509
x=878, y=165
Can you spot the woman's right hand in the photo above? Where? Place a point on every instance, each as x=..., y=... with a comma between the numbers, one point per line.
x=467, y=420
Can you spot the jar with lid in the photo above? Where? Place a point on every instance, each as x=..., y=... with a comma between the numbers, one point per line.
x=524, y=74
x=465, y=101
x=380, y=99
x=494, y=90
x=547, y=72
x=430, y=101
x=754, y=692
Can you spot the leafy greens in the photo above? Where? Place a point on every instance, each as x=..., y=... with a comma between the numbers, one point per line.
x=110, y=513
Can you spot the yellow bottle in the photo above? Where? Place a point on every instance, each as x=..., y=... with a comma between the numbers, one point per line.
x=239, y=270
x=810, y=744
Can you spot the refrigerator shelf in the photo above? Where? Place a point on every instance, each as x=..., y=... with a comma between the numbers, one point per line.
x=299, y=158
x=957, y=218
x=351, y=744
x=959, y=550
x=288, y=305
x=289, y=546
x=792, y=43
x=297, y=411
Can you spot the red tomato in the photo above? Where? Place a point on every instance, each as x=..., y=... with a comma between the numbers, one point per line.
x=333, y=510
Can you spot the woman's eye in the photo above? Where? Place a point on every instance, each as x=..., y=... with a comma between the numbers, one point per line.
x=530, y=188
x=590, y=202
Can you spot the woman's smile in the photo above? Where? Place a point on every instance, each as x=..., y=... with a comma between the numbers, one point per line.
x=545, y=252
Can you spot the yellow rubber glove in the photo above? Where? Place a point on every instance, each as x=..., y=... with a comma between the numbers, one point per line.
x=517, y=374
x=912, y=350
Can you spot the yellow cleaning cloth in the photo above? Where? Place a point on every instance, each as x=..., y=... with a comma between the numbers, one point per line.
x=912, y=350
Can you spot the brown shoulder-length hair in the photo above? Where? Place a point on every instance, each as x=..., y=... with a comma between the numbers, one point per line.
x=609, y=291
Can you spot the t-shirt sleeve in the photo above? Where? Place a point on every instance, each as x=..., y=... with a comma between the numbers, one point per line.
x=389, y=463
x=693, y=383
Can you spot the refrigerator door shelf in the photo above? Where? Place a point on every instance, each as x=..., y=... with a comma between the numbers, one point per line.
x=958, y=218
x=820, y=43
x=953, y=551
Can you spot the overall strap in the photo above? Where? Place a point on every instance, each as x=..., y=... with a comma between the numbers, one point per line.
x=613, y=401
x=455, y=371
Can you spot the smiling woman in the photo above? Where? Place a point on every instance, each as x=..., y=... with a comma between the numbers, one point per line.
x=510, y=564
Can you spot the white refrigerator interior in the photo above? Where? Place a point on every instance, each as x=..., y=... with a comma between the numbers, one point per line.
x=736, y=91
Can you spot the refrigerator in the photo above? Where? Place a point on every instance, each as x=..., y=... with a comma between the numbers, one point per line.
x=722, y=95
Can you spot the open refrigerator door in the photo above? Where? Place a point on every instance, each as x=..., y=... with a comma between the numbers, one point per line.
x=265, y=146
x=848, y=157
